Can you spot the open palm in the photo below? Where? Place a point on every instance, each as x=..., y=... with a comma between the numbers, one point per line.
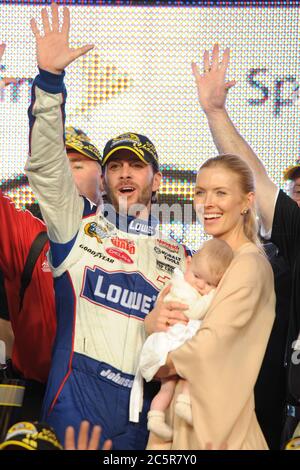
x=53, y=51
x=212, y=86
x=84, y=442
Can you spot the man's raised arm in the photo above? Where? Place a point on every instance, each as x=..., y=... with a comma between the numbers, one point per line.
x=47, y=167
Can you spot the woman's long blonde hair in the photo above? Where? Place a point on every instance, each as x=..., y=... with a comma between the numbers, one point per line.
x=245, y=175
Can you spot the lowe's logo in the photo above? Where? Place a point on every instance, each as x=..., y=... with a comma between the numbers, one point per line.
x=128, y=293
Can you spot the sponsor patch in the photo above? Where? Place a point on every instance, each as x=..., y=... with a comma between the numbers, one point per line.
x=117, y=378
x=93, y=230
x=124, y=244
x=139, y=226
x=168, y=246
x=163, y=279
x=119, y=255
x=164, y=267
x=128, y=293
x=46, y=267
x=100, y=229
x=96, y=254
x=170, y=257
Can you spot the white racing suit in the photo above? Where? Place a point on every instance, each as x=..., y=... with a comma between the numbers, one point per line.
x=107, y=274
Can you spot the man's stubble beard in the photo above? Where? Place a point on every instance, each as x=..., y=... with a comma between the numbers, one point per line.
x=120, y=204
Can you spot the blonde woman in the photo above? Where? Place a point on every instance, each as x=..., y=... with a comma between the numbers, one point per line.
x=222, y=361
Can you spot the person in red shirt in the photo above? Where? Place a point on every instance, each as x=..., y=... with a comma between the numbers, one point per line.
x=6, y=333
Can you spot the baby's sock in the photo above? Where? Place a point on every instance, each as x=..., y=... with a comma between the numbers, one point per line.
x=183, y=408
x=157, y=424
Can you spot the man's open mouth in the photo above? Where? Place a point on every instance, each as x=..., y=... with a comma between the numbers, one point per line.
x=126, y=189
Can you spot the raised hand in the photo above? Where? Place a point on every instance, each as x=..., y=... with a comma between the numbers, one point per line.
x=83, y=442
x=52, y=48
x=211, y=84
x=5, y=81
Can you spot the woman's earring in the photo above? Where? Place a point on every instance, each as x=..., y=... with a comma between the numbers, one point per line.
x=245, y=211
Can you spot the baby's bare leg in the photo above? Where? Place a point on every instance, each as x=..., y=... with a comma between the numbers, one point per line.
x=162, y=400
x=156, y=415
x=185, y=388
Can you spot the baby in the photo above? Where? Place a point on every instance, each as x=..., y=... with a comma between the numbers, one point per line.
x=196, y=288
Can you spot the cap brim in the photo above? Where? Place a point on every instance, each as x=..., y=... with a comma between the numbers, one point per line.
x=82, y=152
x=289, y=172
x=104, y=160
x=13, y=443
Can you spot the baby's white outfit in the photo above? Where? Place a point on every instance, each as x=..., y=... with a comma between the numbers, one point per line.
x=157, y=346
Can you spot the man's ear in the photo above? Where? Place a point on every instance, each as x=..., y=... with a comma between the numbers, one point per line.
x=156, y=181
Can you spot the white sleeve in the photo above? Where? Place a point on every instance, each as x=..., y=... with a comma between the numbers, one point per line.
x=48, y=169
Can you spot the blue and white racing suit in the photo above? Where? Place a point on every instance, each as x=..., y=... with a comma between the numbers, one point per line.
x=107, y=274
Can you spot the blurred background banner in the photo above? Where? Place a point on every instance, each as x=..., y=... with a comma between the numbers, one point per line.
x=138, y=78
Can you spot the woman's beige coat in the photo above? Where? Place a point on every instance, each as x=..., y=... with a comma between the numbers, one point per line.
x=222, y=361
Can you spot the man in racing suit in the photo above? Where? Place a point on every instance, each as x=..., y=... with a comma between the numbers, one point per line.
x=108, y=270
x=30, y=323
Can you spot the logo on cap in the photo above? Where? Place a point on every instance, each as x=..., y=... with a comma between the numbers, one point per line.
x=78, y=140
x=138, y=144
x=31, y=436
